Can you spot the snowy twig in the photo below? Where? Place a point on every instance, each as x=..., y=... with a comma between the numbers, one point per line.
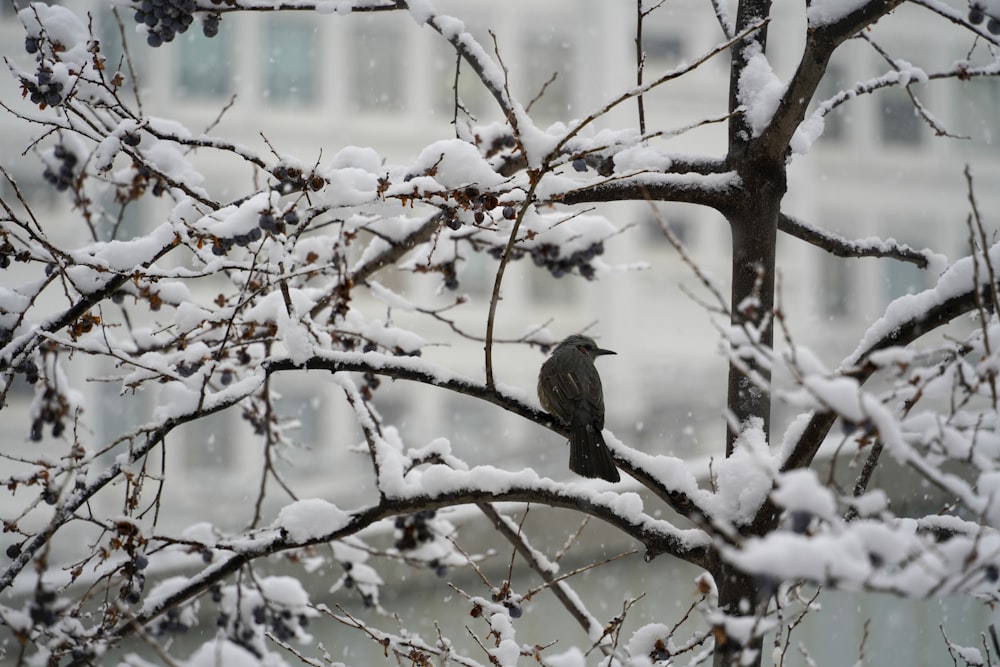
x=842, y=247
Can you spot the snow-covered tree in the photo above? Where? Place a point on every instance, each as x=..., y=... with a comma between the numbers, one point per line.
x=229, y=291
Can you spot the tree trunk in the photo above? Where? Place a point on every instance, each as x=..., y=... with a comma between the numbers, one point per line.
x=753, y=221
x=738, y=596
x=754, y=227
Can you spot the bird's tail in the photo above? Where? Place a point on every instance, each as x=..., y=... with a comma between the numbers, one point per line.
x=588, y=455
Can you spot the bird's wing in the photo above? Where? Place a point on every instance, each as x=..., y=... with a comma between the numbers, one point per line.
x=573, y=389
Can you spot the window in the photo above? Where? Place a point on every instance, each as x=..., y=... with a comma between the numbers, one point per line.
x=547, y=54
x=663, y=49
x=835, y=286
x=378, y=57
x=110, y=36
x=473, y=95
x=903, y=278
x=115, y=412
x=898, y=123
x=547, y=289
x=978, y=100
x=36, y=192
x=8, y=11
x=122, y=222
x=290, y=57
x=680, y=225
x=680, y=219
x=209, y=445
x=834, y=81
x=476, y=274
x=204, y=64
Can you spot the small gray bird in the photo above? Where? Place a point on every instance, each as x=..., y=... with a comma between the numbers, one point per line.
x=569, y=389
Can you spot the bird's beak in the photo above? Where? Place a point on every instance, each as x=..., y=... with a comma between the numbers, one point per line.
x=599, y=352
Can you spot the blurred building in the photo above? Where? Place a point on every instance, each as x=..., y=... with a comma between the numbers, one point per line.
x=310, y=84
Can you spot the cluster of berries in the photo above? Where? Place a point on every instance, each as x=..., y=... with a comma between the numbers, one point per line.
x=269, y=222
x=367, y=599
x=54, y=410
x=165, y=19
x=63, y=177
x=293, y=179
x=135, y=581
x=978, y=14
x=43, y=90
x=412, y=530
x=480, y=203
x=280, y=623
x=548, y=255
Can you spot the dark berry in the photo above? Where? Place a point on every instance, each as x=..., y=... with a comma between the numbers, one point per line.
x=30, y=372
x=259, y=616
x=993, y=26
x=508, y=212
x=976, y=15
x=13, y=551
x=267, y=222
x=210, y=26
x=580, y=164
x=31, y=44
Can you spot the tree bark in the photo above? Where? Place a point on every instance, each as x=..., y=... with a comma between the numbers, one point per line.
x=753, y=220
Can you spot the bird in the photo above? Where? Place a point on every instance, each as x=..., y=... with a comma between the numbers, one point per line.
x=569, y=388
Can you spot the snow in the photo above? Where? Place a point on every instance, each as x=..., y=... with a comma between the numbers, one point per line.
x=389, y=297
x=806, y=134
x=163, y=590
x=640, y=158
x=818, y=558
x=62, y=26
x=231, y=221
x=801, y=490
x=876, y=550
x=956, y=280
x=744, y=479
x=453, y=163
x=824, y=12
x=215, y=652
x=420, y=10
x=306, y=520
x=643, y=642
x=506, y=654
x=759, y=90
x=284, y=590
x=571, y=657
